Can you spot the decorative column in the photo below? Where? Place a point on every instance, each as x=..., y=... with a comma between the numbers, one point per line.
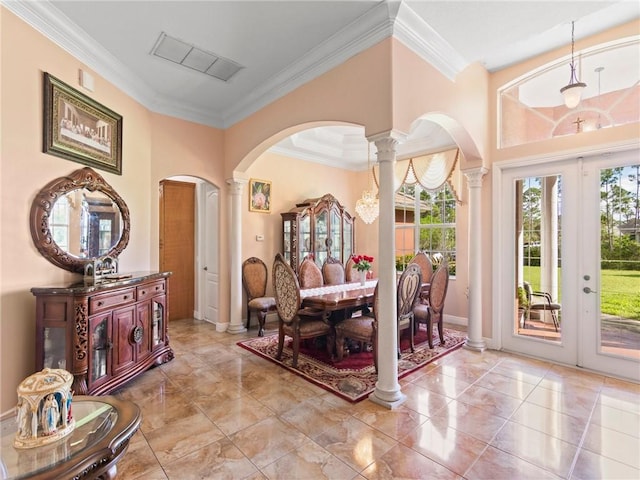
x=474, y=330
x=235, y=254
x=387, y=392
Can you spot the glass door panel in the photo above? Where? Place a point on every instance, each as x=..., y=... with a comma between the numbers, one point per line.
x=538, y=262
x=534, y=255
x=611, y=272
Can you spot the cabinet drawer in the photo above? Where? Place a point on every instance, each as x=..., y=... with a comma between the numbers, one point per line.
x=111, y=300
x=151, y=290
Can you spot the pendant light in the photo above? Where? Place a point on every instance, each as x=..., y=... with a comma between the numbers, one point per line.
x=368, y=207
x=573, y=91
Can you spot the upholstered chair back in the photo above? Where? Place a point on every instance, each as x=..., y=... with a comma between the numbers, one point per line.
x=333, y=272
x=310, y=275
x=438, y=290
x=287, y=290
x=426, y=266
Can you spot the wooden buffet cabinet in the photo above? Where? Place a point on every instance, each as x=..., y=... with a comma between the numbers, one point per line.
x=104, y=333
x=317, y=226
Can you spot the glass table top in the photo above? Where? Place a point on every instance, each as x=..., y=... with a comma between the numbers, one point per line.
x=94, y=420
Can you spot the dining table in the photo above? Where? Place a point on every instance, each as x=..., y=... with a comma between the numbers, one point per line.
x=336, y=300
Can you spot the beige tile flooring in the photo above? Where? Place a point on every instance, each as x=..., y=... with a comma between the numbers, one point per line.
x=217, y=411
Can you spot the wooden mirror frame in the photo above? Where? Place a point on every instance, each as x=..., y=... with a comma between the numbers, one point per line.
x=41, y=211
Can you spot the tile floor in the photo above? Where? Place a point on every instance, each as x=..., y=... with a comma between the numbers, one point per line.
x=219, y=412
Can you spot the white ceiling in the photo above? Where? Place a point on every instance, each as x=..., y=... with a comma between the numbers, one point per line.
x=283, y=44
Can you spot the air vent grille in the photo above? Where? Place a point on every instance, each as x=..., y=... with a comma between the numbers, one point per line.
x=195, y=58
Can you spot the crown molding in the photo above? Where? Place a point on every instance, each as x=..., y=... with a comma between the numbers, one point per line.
x=54, y=25
x=380, y=22
x=425, y=42
x=364, y=32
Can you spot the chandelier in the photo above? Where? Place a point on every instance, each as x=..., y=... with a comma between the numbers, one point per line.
x=368, y=207
x=573, y=91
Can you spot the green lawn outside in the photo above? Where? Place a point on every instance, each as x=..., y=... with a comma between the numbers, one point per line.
x=620, y=295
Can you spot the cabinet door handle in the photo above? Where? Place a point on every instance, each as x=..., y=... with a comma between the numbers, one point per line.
x=143, y=292
x=100, y=303
x=125, y=297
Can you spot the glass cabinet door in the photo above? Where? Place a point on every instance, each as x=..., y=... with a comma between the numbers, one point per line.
x=55, y=347
x=99, y=329
x=286, y=240
x=336, y=244
x=321, y=235
x=347, y=240
x=157, y=319
x=305, y=237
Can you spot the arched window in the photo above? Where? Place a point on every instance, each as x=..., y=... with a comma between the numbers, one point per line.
x=531, y=107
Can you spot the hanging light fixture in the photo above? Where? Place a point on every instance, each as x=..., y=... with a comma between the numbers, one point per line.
x=573, y=91
x=368, y=207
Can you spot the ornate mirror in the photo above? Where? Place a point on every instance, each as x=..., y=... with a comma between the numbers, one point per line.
x=78, y=219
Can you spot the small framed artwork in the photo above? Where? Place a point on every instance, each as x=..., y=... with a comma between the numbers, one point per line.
x=259, y=196
x=80, y=129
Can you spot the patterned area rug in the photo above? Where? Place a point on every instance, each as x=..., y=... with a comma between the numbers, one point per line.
x=354, y=378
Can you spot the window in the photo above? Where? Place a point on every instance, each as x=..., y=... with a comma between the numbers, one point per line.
x=425, y=220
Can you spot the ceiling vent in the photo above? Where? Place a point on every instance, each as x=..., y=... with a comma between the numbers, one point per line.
x=195, y=58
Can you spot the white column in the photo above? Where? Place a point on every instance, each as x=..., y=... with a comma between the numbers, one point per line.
x=235, y=254
x=387, y=391
x=474, y=330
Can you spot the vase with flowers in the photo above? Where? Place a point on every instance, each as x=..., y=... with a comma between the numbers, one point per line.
x=362, y=263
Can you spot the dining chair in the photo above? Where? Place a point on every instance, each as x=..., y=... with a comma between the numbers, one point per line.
x=362, y=328
x=309, y=274
x=254, y=280
x=432, y=311
x=350, y=273
x=407, y=296
x=294, y=321
x=333, y=272
x=426, y=268
x=541, y=302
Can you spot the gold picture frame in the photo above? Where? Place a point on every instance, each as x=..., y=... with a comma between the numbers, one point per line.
x=259, y=196
x=80, y=129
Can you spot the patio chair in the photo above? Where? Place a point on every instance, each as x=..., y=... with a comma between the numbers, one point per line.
x=541, y=302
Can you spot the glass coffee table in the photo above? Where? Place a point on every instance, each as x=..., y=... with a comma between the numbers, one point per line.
x=104, y=426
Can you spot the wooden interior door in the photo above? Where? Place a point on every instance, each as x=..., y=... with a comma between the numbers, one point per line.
x=177, y=244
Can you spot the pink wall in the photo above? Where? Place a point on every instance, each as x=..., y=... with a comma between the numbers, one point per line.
x=153, y=146
x=338, y=96
x=293, y=181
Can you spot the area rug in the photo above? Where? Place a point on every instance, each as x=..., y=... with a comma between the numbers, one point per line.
x=355, y=377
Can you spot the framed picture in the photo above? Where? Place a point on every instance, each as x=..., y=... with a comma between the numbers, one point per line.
x=259, y=196
x=80, y=129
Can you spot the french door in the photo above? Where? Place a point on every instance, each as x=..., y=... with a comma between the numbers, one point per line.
x=569, y=230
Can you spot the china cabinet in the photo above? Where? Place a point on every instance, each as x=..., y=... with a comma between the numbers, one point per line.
x=104, y=333
x=320, y=227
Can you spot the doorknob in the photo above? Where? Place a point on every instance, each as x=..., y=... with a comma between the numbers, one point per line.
x=588, y=290
x=206, y=268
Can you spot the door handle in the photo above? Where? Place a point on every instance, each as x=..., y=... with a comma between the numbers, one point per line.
x=588, y=290
x=206, y=268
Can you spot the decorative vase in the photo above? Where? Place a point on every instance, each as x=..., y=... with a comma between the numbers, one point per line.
x=363, y=278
